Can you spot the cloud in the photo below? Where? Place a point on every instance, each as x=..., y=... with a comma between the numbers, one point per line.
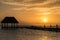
x=33, y=3
x=56, y=10
x=54, y=4
x=29, y=5
x=25, y=1
x=36, y=1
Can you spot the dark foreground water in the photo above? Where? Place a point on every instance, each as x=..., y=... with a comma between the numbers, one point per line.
x=28, y=34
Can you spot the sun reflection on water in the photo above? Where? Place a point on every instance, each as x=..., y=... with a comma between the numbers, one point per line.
x=45, y=38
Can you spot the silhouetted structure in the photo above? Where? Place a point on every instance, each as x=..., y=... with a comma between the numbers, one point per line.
x=44, y=26
x=57, y=26
x=50, y=26
x=9, y=22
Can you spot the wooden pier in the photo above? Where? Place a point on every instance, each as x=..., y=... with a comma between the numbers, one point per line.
x=11, y=22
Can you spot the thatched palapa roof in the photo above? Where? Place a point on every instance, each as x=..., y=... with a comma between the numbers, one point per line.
x=9, y=20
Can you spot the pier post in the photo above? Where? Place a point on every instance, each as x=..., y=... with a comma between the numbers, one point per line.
x=7, y=24
x=56, y=26
x=44, y=26
x=14, y=24
x=50, y=26
x=2, y=24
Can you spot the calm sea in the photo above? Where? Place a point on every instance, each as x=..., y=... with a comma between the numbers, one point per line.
x=28, y=34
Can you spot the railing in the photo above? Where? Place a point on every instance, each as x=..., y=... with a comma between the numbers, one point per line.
x=18, y=25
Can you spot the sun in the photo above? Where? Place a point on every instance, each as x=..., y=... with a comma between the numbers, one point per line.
x=45, y=20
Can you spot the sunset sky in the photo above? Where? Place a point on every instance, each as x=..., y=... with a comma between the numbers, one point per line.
x=31, y=11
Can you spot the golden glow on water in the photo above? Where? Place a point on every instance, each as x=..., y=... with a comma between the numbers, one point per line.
x=44, y=38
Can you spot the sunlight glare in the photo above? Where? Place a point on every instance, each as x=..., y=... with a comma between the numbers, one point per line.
x=44, y=20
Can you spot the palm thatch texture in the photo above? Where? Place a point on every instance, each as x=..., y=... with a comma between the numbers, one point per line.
x=9, y=21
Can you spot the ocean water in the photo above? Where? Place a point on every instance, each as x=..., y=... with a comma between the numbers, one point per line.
x=28, y=34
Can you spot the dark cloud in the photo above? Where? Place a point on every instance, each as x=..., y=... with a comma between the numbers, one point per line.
x=19, y=0
x=57, y=3
x=36, y=1
x=13, y=0
x=53, y=4
x=3, y=7
x=25, y=1
x=33, y=3
x=49, y=5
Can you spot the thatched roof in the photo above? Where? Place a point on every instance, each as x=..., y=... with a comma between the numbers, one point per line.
x=9, y=20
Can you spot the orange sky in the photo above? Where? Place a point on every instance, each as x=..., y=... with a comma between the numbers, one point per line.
x=31, y=11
